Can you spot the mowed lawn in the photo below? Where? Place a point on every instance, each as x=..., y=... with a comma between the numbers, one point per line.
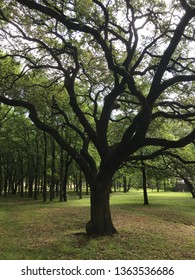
x=35, y=230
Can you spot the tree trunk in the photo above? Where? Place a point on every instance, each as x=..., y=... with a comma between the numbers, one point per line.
x=53, y=170
x=87, y=188
x=125, y=184
x=5, y=186
x=101, y=221
x=80, y=185
x=1, y=176
x=22, y=176
x=45, y=169
x=37, y=167
x=144, y=182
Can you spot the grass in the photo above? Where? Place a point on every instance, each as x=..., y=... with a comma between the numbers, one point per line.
x=55, y=231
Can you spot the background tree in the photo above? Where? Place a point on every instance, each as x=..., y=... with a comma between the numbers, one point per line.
x=26, y=158
x=99, y=56
x=182, y=165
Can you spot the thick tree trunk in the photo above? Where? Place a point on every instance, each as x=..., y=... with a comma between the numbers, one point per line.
x=101, y=221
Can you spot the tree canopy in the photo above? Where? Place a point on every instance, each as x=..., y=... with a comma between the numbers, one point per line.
x=110, y=72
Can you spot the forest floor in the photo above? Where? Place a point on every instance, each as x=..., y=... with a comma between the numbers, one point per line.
x=33, y=230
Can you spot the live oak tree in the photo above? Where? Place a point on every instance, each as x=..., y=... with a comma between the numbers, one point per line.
x=102, y=54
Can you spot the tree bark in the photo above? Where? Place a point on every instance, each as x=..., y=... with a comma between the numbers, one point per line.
x=101, y=221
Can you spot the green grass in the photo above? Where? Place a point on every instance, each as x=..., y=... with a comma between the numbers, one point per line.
x=163, y=230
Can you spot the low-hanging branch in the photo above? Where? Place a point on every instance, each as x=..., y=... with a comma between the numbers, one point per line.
x=47, y=128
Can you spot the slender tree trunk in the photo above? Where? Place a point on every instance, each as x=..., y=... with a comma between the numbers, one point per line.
x=80, y=185
x=61, y=174
x=30, y=187
x=64, y=169
x=76, y=184
x=53, y=170
x=1, y=176
x=87, y=188
x=124, y=184
x=5, y=185
x=65, y=181
x=101, y=221
x=36, y=169
x=6, y=178
x=22, y=186
x=45, y=169
x=157, y=185
x=144, y=182
x=22, y=176
x=36, y=187
x=10, y=184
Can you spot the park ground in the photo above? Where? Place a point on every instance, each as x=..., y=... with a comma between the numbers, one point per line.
x=165, y=229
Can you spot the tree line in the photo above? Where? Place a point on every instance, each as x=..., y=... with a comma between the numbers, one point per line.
x=32, y=164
